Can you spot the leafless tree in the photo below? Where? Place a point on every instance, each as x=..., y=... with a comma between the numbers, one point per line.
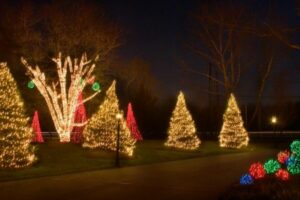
x=61, y=96
x=42, y=31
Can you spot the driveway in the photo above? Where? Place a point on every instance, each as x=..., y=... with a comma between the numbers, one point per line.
x=200, y=178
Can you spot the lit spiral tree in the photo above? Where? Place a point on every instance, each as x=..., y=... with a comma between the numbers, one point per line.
x=15, y=132
x=101, y=129
x=233, y=134
x=61, y=96
x=182, y=131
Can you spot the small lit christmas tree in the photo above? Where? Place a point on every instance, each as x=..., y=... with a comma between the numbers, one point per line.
x=101, y=129
x=38, y=137
x=15, y=133
x=182, y=131
x=233, y=133
x=132, y=125
x=80, y=118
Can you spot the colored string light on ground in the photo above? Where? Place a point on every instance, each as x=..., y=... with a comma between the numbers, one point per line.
x=295, y=147
x=282, y=174
x=246, y=179
x=271, y=166
x=257, y=170
x=293, y=165
x=283, y=156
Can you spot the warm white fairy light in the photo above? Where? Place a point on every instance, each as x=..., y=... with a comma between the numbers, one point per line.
x=182, y=131
x=101, y=129
x=62, y=101
x=15, y=132
x=233, y=133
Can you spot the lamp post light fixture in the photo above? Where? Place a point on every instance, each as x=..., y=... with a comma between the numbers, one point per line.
x=274, y=121
x=118, y=117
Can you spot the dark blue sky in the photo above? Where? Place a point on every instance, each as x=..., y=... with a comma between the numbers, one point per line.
x=156, y=31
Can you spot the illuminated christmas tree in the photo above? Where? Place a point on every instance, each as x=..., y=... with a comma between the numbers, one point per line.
x=233, y=133
x=80, y=117
x=37, y=138
x=132, y=125
x=101, y=129
x=15, y=133
x=182, y=131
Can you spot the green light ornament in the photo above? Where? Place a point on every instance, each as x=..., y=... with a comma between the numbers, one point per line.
x=293, y=165
x=30, y=84
x=96, y=86
x=295, y=147
x=271, y=166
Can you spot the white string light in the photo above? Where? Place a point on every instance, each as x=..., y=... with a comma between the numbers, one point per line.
x=61, y=101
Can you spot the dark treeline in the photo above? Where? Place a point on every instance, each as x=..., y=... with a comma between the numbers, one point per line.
x=229, y=42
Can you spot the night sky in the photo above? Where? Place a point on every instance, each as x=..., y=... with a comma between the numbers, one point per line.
x=157, y=31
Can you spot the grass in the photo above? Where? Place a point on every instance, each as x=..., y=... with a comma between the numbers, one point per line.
x=55, y=158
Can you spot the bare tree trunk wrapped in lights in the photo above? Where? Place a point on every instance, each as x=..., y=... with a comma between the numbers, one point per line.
x=15, y=133
x=233, y=133
x=182, y=131
x=61, y=96
x=101, y=129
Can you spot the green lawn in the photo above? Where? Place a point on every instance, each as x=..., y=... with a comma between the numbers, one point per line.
x=55, y=158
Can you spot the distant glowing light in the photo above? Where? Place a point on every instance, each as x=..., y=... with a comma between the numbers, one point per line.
x=282, y=174
x=30, y=84
x=257, y=170
x=271, y=166
x=246, y=179
x=273, y=119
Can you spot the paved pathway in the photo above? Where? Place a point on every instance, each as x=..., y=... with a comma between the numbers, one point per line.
x=201, y=178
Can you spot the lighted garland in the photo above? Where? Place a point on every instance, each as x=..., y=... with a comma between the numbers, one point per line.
x=271, y=166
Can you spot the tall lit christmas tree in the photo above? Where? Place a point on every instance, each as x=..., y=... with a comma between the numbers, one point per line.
x=182, y=131
x=233, y=133
x=80, y=117
x=38, y=137
x=132, y=125
x=15, y=133
x=101, y=129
